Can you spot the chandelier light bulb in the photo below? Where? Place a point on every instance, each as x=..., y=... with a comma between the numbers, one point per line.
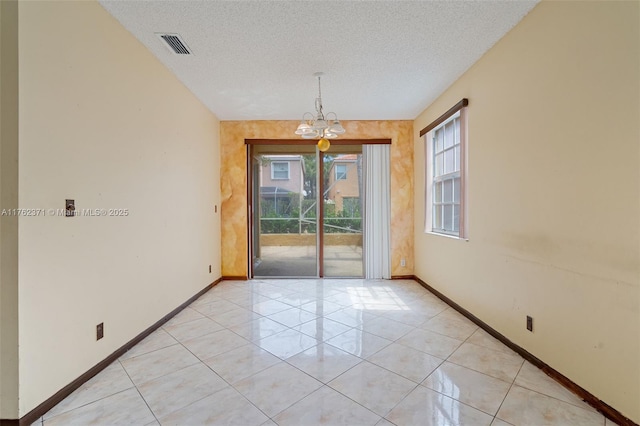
x=324, y=144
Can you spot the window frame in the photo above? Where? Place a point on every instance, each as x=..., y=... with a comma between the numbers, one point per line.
x=337, y=176
x=273, y=171
x=457, y=112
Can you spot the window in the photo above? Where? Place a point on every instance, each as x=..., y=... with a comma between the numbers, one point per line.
x=445, y=174
x=280, y=170
x=341, y=171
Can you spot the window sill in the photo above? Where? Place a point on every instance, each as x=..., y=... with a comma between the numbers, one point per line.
x=453, y=237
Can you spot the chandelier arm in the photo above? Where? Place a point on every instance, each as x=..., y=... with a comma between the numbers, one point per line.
x=318, y=127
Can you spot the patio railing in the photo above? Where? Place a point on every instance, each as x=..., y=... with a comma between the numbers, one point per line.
x=294, y=225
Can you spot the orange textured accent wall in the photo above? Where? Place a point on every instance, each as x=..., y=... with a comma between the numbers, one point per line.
x=233, y=182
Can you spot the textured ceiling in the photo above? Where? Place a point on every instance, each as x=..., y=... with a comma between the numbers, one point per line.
x=254, y=60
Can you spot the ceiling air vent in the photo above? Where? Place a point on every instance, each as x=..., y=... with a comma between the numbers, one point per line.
x=175, y=44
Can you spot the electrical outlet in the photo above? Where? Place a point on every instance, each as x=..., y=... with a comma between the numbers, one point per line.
x=100, y=331
x=209, y=268
x=403, y=262
x=529, y=323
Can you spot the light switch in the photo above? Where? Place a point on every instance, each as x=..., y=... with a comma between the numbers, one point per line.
x=70, y=208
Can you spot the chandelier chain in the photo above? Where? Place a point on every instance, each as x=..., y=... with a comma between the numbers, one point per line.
x=320, y=127
x=319, y=101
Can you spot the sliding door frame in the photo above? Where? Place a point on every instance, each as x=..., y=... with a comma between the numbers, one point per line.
x=250, y=143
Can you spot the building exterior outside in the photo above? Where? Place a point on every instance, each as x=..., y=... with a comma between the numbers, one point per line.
x=283, y=171
x=281, y=183
x=343, y=189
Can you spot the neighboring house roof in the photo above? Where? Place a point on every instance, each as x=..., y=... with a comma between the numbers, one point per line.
x=346, y=157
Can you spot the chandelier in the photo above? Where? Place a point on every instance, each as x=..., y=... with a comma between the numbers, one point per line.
x=320, y=126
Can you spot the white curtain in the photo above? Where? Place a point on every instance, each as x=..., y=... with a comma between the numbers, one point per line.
x=377, y=212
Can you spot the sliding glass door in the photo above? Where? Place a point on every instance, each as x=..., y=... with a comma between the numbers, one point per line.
x=285, y=215
x=342, y=218
x=291, y=189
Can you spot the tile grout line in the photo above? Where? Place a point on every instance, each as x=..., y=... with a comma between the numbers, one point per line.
x=304, y=291
x=366, y=360
x=257, y=372
x=513, y=382
x=349, y=369
x=90, y=402
x=207, y=366
x=231, y=386
x=589, y=409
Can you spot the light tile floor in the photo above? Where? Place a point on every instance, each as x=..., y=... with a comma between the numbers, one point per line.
x=321, y=352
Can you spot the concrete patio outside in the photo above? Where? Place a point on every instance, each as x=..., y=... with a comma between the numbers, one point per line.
x=300, y=261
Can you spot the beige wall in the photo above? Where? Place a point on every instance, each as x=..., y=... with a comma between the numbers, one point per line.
x=553, y=194
x=8, y=200
x=234, y=184
x=104, y=123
